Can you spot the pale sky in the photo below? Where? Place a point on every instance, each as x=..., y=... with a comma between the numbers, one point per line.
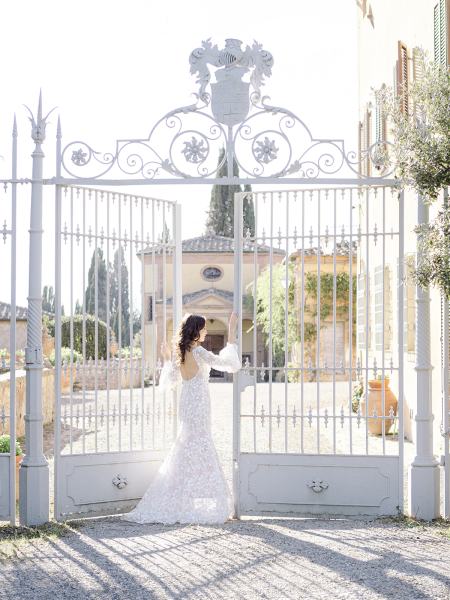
x=114, y=68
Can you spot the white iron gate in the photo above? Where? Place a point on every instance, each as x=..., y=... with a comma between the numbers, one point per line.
x=316, y=430
x=117, y=273
x=8, y=358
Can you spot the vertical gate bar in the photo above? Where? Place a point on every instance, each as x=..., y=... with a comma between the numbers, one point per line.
x=445, y=404
x=286, y=325
x=143, y=310
x=109, y=199
x=84, y=322
x=57, y=423
x=131, y=374
x=446, y=390
x=270, y=320
x=350, y=325
x=334, y=317
x=164, y=291
x=177, y=303
x=401, y=291
x=255, y=324
x=71, y=319
x=366, y=384
x=383, y=320
x=302, y=332
x=318, y=322
x=119, y=318
x=153, y=324
x=12, y=334
x=237, y=307
x=96, y=318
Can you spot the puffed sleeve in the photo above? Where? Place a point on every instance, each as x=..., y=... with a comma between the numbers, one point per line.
x=170, y=376
x=227, y=360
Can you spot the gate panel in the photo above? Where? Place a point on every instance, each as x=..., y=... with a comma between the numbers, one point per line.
x=320, y=401
x=8, y=342
x=119, y=286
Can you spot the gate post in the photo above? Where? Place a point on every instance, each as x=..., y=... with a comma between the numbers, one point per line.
x=237, y=307
x=423, y=498
x=34, y=472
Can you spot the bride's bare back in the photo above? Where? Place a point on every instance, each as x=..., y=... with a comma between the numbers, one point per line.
x=189, y=368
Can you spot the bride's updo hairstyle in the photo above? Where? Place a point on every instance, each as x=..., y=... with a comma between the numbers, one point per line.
x=188, y=333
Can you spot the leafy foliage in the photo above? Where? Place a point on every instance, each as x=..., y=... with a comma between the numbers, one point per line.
x=276, y=292
x=433, y=266
x=5, y=445
x=66, y=356
x=90, y=335
x=327, y=294
x=422, y=137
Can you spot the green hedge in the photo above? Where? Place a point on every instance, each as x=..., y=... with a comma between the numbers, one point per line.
x=90, y=335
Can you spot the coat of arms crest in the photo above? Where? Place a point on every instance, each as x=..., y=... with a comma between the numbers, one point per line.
x=230, y=95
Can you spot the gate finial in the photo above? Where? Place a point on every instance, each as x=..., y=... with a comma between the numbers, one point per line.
x=39, y=123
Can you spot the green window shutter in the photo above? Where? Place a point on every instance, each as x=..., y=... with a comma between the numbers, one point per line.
x=441, y=32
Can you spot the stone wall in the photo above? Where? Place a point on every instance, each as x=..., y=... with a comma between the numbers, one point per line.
x=48, y=399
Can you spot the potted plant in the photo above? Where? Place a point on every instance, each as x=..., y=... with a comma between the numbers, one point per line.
x=373, y=405
x=358, y=391
x=5, y=447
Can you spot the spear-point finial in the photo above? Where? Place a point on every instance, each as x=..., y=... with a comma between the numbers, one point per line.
x=58, y=129
x=39, y=110
x=38, y=124
x=14, y=131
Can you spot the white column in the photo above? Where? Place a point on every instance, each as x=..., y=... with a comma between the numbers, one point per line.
x=34, y=474
x=423, y=498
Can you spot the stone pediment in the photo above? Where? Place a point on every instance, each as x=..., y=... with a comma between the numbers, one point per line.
x=211, y=298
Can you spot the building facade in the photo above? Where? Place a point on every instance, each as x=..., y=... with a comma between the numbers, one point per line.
x=390, y=36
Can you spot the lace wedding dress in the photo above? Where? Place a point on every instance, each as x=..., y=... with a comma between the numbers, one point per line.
x=190, y=486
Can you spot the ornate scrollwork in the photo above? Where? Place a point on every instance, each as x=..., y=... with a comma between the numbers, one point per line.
x=265, y=140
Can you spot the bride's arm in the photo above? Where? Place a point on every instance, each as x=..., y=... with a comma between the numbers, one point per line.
x=170, y=373
x=228, y=359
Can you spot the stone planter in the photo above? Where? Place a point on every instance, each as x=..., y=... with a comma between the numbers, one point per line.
x=375, y=405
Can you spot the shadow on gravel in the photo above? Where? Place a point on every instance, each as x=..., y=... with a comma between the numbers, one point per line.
x=290, y=558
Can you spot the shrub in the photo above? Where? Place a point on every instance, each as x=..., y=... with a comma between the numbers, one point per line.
x=65, y=356
x=90, y=335
x=5, y=445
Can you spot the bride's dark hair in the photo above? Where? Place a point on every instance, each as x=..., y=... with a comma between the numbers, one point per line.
x=188, y=333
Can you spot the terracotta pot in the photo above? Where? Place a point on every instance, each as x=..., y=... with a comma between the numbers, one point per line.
x=375, y=405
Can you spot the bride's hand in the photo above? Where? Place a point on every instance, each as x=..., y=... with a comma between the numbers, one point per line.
x=165, y=351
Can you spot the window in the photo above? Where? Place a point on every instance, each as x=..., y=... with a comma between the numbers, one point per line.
x=441, y=32
x=364, y=139
x=403, y=76
x=363, y=318
x=382, y=301
x=380, y=122
x=149, y=309
x=409, y=306
x=212, y=273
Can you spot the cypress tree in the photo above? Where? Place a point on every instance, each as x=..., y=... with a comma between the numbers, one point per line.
x=220, y=220
x=89, y=296
x=120, y=269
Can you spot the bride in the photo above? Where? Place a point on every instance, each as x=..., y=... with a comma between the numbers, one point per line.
x=190, y=486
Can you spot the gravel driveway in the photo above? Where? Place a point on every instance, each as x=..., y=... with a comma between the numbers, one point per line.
x=252, y=559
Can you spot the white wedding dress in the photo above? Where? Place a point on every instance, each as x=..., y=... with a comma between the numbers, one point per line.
x=190, y=486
